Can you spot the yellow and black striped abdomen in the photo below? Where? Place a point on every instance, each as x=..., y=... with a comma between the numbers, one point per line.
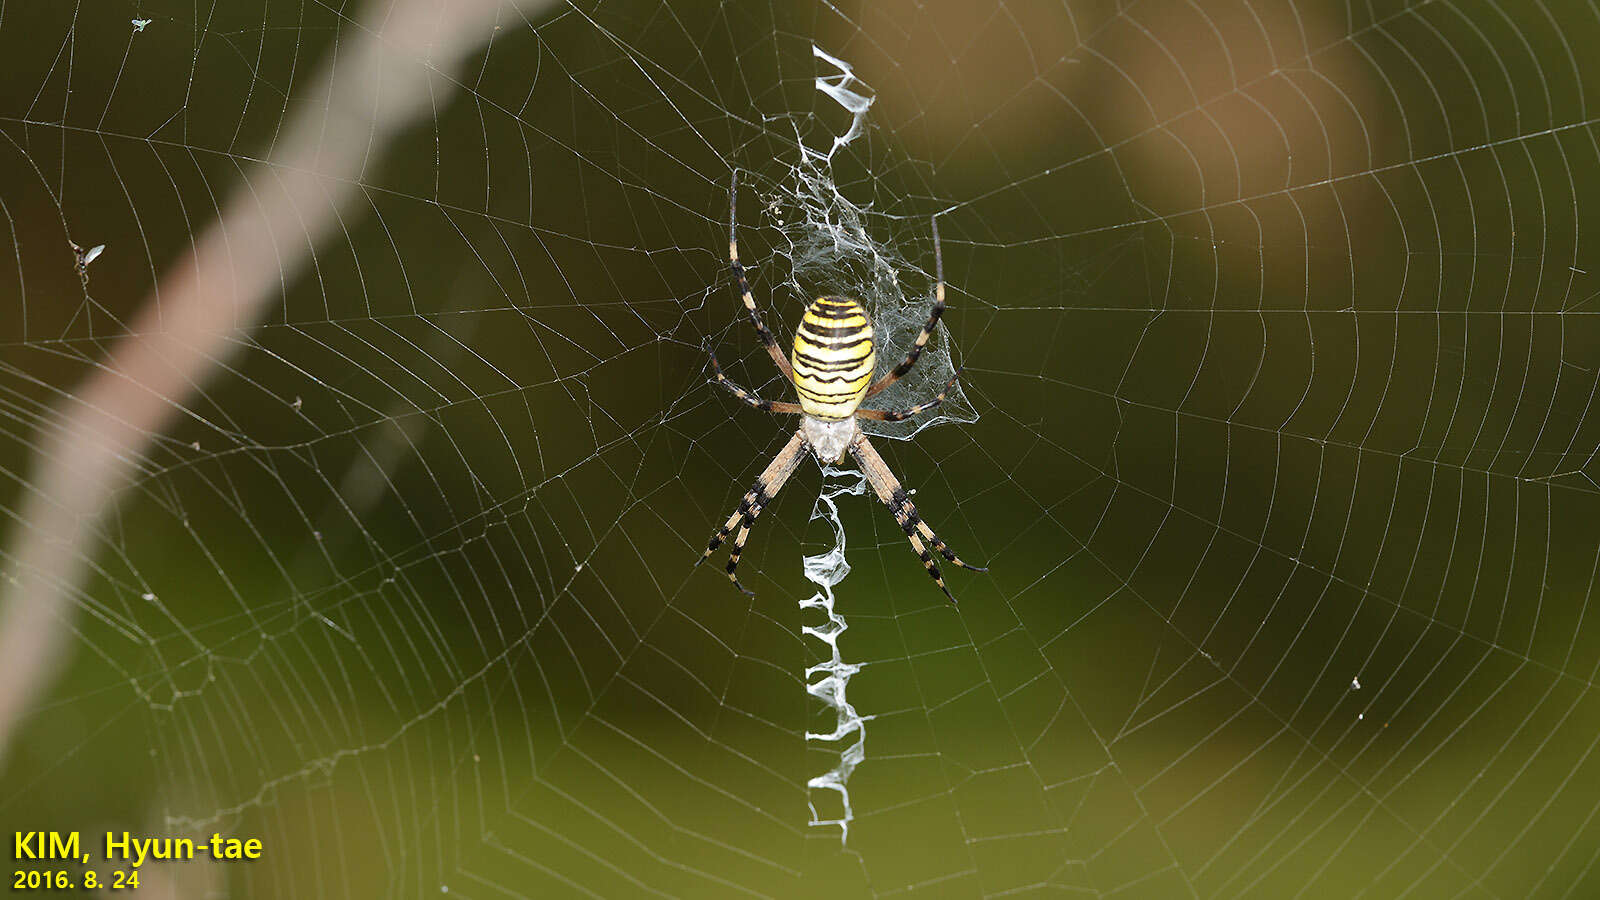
x=833, y=357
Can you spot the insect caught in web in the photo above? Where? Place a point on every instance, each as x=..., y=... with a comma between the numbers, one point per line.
x=832, y=373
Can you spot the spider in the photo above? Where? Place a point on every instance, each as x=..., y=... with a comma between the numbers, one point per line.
x=831, y=371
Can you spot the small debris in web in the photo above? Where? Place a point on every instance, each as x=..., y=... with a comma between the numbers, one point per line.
x=82, y=258
x=335, y=626
x=139, y=24
x=1355, y=683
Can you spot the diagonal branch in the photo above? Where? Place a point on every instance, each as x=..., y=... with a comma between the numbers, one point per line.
x=379, y=82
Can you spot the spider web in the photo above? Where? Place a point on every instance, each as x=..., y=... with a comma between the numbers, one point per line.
x=1277, y=437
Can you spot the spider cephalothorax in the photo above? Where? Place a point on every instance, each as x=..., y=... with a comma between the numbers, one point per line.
x=831, y=370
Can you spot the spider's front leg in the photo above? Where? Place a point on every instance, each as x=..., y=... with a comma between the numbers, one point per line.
x=755, y=500
x=889, y=491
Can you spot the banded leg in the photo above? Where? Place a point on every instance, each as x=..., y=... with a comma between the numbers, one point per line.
x=879, y=415
x=927, y=329
x=888, y=489
x=767, y=340
x=767, y=485
x=776, y=406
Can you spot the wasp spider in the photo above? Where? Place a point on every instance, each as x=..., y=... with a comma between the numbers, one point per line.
x=832, y=373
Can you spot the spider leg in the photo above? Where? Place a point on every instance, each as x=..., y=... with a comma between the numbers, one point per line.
x=748, y=396
x=880, y=415
x=767, y=485
x=888, y=489
x=927, y=329
x=767, y=340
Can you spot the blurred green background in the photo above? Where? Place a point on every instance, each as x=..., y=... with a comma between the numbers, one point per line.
x=1276, y=320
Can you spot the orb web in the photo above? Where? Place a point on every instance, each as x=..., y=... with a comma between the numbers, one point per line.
x=1276, y=434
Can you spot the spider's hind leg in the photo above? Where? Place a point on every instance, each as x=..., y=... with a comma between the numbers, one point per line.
x=767, y=340
x=776, y=406
x=901, y=415
x=926, y=333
